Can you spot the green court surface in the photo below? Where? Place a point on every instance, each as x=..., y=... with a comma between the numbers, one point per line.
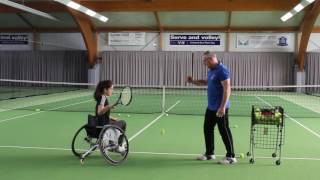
x=35, y=144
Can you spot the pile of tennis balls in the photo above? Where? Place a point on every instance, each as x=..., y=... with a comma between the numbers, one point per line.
x=271, y=115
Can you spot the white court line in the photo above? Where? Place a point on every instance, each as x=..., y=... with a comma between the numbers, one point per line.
x=305, y=127
x=30, y=105
x=17, y=117
x=155, y=153
x=152, y=122
x=300, y=105
x=294, y=120
x=39, y=148
x=183, y=154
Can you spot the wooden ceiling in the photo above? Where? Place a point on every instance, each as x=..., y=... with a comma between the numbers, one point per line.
x=158, y=9
x=161, y=14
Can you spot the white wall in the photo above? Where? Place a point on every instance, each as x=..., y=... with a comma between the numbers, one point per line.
x=61, y=41
x=152, y=44
x=314, y=43
x=18, y=47
x=74, y=41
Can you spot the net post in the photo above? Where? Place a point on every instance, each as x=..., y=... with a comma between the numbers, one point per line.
x=163, y=99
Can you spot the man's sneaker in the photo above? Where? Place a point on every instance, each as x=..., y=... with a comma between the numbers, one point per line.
x=204, y=157
x=228, y=160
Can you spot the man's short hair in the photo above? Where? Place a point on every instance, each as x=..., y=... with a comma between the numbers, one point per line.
x=209, y=54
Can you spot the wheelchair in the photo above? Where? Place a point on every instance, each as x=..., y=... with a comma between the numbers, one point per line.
x=109, y=139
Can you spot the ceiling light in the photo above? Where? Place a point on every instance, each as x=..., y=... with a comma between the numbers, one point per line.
x=298, y=7
x=73, y=5
x=90, y=12
x=103, y=19
x=27, y=9
x=83, y=9
x=287, y=16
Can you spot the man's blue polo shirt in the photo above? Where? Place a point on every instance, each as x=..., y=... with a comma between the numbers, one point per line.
x=215, y=88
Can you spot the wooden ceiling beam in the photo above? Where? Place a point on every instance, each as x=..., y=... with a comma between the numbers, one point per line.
x=231, y=29
x=192, y=5
x=89, y=36
x=229, y=19
x=165, y=29
x=45, y=6
x=166, y=5
x=306, y=28
x=40, y=30
x=156, y=15
x=127, y=29
x=25, y=20
x=316, y=30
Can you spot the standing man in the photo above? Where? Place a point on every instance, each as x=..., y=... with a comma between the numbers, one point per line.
x=219, y=91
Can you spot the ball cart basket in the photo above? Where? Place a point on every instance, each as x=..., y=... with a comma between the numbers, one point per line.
x=267, y=131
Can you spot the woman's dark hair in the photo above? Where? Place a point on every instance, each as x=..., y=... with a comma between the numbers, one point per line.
x=100, y=87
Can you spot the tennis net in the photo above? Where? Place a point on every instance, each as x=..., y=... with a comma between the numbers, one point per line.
x=297, y=101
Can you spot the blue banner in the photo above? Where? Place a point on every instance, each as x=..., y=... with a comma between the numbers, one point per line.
x=14, y=39
x=206, y=39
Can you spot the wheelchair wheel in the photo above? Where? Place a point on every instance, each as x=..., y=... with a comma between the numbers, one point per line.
x=81, y=142
x=113, y=144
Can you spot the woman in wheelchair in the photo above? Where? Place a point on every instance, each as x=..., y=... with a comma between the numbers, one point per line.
x=103, y=108
x=102, y=131
x=103, y=90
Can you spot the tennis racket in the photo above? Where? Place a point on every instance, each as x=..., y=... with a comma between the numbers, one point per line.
x=125, y=96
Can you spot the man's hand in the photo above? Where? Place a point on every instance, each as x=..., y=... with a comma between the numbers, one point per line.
x=221, y=112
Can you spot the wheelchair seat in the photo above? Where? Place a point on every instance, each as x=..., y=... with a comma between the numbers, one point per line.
x=110, y=139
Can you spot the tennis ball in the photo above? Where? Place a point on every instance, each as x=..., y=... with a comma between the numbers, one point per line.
x=119, y=114
x=235, y=126
x=167, y=114
x=37, y=109
x=241, y=155
x=277, y=115
x=258, y=115
x=128, y=115
x=162, y=131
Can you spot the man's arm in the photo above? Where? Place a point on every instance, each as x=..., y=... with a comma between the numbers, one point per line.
x=226, y=95
x=226, y=92
x=199, y=82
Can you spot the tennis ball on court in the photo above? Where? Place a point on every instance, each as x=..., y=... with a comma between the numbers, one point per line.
x=241, y=155
x=235, y=126
x=162, y=131
x=167, y=114
x=119, y=114
x=37, y=109
x=128, y=115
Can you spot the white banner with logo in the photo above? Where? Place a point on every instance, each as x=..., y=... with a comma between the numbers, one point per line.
x=16, y=41
x=263, y=42
x=127, y=39
x=194, y=41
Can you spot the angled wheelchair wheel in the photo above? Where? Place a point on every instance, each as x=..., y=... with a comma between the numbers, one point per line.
x=81, y=142
x=113, y=144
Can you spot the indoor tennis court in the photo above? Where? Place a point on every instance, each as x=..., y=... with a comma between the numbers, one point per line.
x=168, y=62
